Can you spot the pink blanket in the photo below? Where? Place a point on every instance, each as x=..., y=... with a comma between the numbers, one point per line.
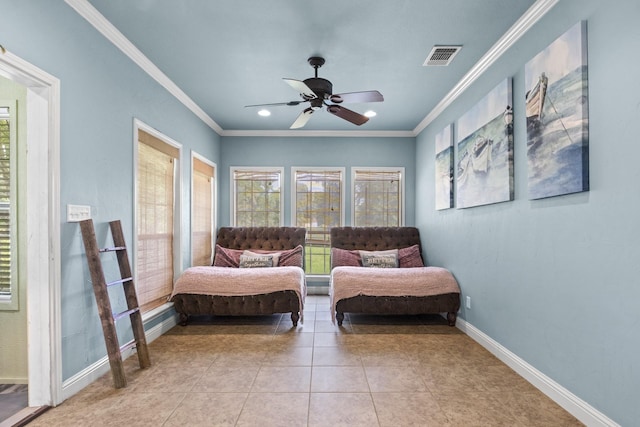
x=241, y=281
x=347, y=282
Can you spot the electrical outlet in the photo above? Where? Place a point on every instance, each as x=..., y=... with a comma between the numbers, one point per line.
x=468, y=304
x=76, y=213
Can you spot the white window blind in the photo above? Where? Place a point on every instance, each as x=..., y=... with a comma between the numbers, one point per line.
x=202, y=213
x=318, y=207
x=377, y=197
x=156, y=172
x=8, y=246
x=257, y=197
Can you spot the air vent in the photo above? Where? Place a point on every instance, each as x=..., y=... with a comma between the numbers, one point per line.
x=441, y=55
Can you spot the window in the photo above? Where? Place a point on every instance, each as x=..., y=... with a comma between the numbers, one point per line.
x=202, y=210
x=318, y=207
x=257, y=198
x=8, y=192
x=157, y=206
x=377, y=197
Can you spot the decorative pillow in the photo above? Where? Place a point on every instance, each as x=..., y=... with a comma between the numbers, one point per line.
x=344, y=257
x=380, y=259
x=249, y=261
x=226, y=257
x=274, y=255
x=410, y=257
x=287, y=258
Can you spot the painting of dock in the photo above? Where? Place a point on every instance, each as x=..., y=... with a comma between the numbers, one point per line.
x=444, y=169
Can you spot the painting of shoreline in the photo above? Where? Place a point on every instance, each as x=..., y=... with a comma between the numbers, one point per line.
x=557, y=117
x=484, y=168
x=444, y=169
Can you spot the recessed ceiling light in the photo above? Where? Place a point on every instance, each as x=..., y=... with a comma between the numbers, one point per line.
x=370, y=113
x=264, y=113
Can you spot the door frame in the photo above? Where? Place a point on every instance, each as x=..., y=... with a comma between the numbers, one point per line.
x=43, y=228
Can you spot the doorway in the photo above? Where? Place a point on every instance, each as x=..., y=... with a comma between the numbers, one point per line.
x=41, y=228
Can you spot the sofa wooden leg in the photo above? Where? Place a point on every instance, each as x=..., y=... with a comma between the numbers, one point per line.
x=183, y=319
x=295, y=316
x=451, y=317
x=339, y=317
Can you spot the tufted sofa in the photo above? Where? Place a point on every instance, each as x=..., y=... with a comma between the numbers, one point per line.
x=380, y=239
x=252, y=238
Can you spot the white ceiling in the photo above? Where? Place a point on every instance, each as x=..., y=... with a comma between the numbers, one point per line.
x=225, y=54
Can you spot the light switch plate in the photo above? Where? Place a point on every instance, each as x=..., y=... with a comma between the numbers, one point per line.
x=77, y=213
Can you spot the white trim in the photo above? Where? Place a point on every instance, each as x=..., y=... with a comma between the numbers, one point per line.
x=322, y=133
x=106, y=28
x=232, y=189
x=378, y=169
x=43, y=230
x=94, y=371
x=517, y=30
x=563, y=397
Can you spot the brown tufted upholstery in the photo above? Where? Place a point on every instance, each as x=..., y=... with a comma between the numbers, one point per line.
x=374, y=238
x=265, y=238
x=379, y=239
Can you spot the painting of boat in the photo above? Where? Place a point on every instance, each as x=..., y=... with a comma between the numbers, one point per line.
x=484, y=169
x=535, y=99
x=481, y=154
x=557, y=117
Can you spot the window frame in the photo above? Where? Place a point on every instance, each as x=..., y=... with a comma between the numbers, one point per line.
x=177, y=209
x=382, y=169
x=11, y=301
x=343, y=207
x=214, y=191
x=233, y=193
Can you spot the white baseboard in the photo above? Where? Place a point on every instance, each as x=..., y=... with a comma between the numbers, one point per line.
x=91, y=373
x=563, y=397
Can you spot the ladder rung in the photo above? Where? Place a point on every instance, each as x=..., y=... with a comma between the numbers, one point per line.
x=128, y=345
x=117, y=316
x=117, y=282
x=114, y=248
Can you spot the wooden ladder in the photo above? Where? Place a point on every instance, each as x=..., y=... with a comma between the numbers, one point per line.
x=108, y=318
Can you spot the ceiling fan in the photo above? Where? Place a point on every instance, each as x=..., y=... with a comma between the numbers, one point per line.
x=318, y=92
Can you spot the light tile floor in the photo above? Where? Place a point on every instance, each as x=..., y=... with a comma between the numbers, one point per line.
x=260, y=371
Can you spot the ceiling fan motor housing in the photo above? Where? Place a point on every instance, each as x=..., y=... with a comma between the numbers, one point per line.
x=321, y=87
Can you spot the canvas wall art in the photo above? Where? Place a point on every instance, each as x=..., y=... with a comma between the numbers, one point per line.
x=444, y=169
x=484, y=172
x=557, y=117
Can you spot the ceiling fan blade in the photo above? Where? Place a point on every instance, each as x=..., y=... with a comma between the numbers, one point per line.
x=275, y=104
x=348, y=115
x=352, y=97
x=302, y=119
x=302, y=88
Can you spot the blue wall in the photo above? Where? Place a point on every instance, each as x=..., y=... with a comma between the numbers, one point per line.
x=556, y=280
x=317, y=152
x=102, y=92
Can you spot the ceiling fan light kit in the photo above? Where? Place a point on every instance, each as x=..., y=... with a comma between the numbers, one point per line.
x=318, y=92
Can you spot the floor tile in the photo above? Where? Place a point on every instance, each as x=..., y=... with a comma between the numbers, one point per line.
x=342, y=409
x=282, y=379
x=274, y=409
x=394, y=379
x=338, y=379
x=226, y=379
x=196, y=410
x=409, y=409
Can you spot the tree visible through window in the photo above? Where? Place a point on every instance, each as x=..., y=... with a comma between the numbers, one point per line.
x=257, y=197
x=377, y=197
x=318, y=207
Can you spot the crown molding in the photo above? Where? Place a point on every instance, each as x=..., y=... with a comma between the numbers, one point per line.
x=106, y=28
x=517, y=30
x=320, y=133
